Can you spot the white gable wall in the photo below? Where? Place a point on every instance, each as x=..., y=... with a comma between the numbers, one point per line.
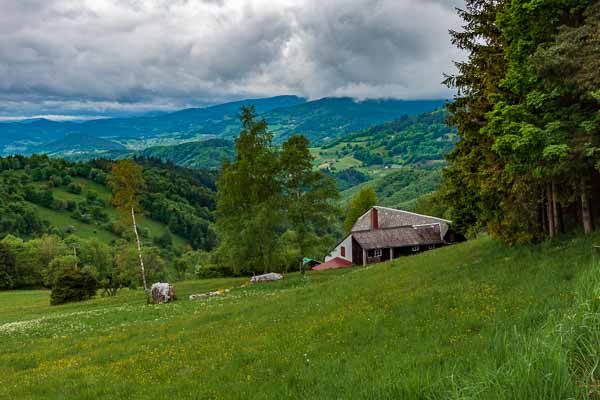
x=337, y=252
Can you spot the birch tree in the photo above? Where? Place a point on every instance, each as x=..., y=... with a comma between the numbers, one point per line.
x=126, y=183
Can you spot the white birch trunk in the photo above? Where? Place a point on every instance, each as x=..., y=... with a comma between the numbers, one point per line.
x=139, y=249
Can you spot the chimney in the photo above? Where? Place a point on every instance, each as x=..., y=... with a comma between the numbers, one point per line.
x=374, y=219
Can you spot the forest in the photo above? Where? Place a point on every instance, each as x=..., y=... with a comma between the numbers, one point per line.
x=528, y=117
x=39, y=194
x=419, y=139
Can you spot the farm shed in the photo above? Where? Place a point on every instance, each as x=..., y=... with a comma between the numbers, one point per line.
x=384, y=233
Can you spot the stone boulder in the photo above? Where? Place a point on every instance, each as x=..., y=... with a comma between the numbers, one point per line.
x=162, y=293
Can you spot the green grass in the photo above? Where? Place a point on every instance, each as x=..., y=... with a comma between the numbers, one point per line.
x=328, y=157
x=471, y=321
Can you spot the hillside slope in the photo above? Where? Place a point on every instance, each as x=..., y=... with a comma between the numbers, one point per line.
x=75, y=143
x=471, y=321
x=40, y=195
x=409, y=140
x=208, y=154
x=319, y=120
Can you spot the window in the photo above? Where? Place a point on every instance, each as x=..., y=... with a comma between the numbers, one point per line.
x=343, y=251
x=377, y=253
x=415, y=249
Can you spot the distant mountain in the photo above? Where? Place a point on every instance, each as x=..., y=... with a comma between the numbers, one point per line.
x=208, y=154
x=75, y=143
x=326, y=119
x=23, y=133
x=320, y=120
x=17, y=137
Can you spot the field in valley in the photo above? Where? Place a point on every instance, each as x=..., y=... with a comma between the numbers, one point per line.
x=472, y=321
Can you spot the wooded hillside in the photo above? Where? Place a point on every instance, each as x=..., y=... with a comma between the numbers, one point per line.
x=528, y=117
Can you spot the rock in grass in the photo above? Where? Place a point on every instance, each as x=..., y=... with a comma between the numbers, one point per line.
x=162, y=293
x=209, y=294
x=266, y=278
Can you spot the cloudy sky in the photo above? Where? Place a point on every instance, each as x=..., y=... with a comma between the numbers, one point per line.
x=101, y=57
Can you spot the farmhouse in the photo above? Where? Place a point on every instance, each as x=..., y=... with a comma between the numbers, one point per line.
x=383, y=234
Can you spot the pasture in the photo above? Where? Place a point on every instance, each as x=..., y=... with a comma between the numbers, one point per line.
x=471, y=321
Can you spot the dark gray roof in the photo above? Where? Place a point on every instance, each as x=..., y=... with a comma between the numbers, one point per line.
x=393, y=218
x=403, y=236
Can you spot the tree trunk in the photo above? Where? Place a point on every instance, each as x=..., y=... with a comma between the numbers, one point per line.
x=586, y=216
x=549, y=210
x=139, y=249
x=542, y=213
x=555, y=209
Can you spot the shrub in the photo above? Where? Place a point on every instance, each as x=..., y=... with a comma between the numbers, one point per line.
x=73, y=284
x=57, y=265
x=164, y=241
x=71, y=205
x=7, y=267
x=74, y=188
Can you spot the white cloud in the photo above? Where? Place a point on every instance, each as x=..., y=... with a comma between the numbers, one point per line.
x=64, y=54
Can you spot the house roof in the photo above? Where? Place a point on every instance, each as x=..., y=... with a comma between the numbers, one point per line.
x=403, y=236
x=332, y=264
x=393, y=218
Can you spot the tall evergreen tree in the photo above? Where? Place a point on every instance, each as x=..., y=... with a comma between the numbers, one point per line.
x=524, y=134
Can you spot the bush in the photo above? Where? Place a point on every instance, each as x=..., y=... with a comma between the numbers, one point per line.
x=74, y=188
x=73, y=284
x=7, y=267
x=71, y=205
x=56, y=266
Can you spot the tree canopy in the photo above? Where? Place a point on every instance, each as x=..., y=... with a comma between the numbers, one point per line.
x=527, y=115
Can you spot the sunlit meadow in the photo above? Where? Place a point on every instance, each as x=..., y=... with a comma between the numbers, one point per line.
x=475, y=320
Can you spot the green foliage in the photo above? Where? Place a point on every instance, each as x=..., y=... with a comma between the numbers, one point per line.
x=526, y=116
x=348, y=178
x=72, y=284
x=126, y=182
x=56, y=266
x=7, y=267
x=206, y=154
x=432, y=204
x=175, y=199
x=262, y=194
x=409, y=140
x=360, y=204
x=400, y=188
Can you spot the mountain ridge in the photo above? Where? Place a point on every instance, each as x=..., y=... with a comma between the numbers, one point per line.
x=320, y=120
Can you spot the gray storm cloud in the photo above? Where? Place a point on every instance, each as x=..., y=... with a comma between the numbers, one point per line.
x=102, y=55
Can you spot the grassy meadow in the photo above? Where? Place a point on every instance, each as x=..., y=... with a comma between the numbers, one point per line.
x=472, y=321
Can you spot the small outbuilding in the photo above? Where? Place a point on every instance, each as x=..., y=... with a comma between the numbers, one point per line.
x=333, y=264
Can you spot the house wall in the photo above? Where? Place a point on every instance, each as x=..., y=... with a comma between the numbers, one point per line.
x=357, y=253
x=337, y=252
